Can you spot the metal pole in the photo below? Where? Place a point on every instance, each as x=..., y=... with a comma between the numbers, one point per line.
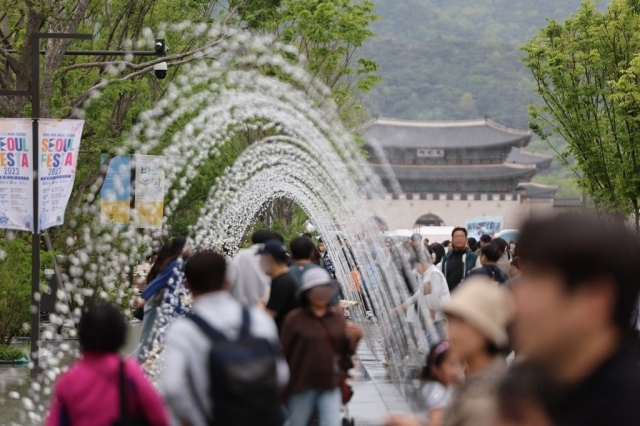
x=132, y=205
x=35, y=237
x=56, y=270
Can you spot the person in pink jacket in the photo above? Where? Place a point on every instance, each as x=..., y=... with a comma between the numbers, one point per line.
x=89, y=393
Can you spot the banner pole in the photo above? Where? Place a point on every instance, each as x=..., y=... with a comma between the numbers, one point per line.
x=132, y=206
x=35, y=237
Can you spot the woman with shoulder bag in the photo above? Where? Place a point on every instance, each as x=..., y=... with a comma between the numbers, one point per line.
x=102, y=389
x=318, y=344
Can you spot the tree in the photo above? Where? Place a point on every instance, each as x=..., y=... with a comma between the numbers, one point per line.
x=15, y=283
x=329, y=33
x=588, y=74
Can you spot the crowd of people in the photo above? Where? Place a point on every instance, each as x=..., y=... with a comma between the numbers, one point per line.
x=540, y=332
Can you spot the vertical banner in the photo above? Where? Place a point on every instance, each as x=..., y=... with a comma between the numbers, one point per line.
x=115, y=203
x=16, y=176
x=489, y=225
x=149, y=191
x=58, y=153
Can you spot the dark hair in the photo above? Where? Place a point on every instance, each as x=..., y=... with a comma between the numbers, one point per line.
x=473, y=244
x=458, y=229
x=436, y=357
x=485, y=238
x=523, y=383
x=515, y=262
x=438, y=249
x=502, y=244
x=276, y=236
x=492, y=252
x=302, y=248
x=580, y=262
x=261, y=236
x=446, y=243
x=308, y=235
x=175, y=251
x=102, y=329
x=161, y=257
x=205, y=271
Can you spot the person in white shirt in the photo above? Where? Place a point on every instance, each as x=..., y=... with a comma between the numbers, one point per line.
x=436, y=299
x=185, y=382
x=249, y=284
x=432, y=294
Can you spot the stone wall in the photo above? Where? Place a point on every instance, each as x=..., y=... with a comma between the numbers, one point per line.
x=454, y=209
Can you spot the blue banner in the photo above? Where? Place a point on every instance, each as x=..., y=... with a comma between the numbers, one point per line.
x=116, y=191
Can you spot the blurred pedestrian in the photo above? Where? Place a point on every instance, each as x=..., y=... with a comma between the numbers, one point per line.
x=478, y=315
x=490, y=255
x=326, y=261
x=161, y=296
x=222, y=363
x=524, y=394
x=515, y=267
x=457, y=264
x=318, y=344
x=439, y=251
x=574, y=305
x=283, y=297
x=91, y=392
x=249, y=285
x=439, y=376
x=484, y=240
x=473, y=244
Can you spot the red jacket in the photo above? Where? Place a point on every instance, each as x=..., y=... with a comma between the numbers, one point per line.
x=88, y=394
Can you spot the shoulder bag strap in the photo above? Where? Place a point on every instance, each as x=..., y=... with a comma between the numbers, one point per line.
x=124, y=411
x=325, y=334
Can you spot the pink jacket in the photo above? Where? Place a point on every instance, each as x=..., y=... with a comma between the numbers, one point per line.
x=88, y=394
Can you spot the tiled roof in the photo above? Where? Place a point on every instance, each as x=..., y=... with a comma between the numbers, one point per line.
x=443, y=135
x=520, y=156
x=456, y=173
x=537, y=190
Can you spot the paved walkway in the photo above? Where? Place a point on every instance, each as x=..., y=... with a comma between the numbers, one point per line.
x=375, y=397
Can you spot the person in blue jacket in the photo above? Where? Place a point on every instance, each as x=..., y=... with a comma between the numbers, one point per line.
x=163, y=293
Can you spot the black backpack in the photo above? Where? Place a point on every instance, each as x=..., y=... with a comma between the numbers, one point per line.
x=243, y=382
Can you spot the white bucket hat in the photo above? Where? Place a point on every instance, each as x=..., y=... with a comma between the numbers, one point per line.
x=484, y=305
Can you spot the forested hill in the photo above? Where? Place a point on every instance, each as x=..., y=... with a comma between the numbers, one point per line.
x=457, y=59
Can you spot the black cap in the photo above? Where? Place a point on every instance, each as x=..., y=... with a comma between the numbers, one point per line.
x=276, y=249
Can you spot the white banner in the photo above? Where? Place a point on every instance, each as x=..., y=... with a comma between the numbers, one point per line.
x=16, y=177
x=58, y=153
x=149, y=191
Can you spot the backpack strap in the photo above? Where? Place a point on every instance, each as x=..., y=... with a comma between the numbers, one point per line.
x=207, y=329
x=246, y=323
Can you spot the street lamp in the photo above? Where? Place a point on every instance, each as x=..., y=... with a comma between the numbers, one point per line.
x=160, y=49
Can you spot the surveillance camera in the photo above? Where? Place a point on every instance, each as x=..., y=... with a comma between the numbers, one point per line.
x=159, y=47
x=160, y=70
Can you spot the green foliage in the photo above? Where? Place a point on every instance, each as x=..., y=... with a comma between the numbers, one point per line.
x=15, y=283
x=431, y=52
x=451, y=80
x=588, y=75
x=9, y=353
x=328, y=33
